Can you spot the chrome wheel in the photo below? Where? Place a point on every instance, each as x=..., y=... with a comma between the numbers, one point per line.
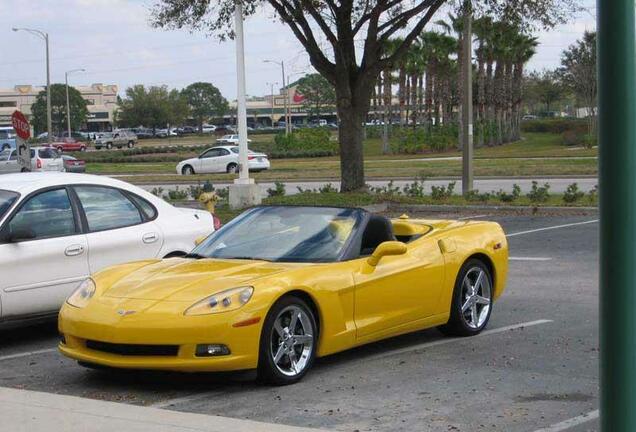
x=292, y=341
x=476, y=297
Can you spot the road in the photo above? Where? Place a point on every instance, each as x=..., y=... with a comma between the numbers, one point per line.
x=534, y=369
x=557, y=185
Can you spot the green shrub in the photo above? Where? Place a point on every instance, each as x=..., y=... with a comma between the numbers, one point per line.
x=306, y=140
x=390, y=189
x=177, y=195
x=328, y=188
x=539, y=194
x=572, y=194
x=555, y=126
x=504, y=196
x=157, y=191
x=592, y=195
x=415, y=189
x=572, y=138
x=278, y=190
x=441, y=193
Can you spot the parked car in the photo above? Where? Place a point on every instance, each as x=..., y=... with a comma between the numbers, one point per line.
x=230, y=139
x=68, y=145
x=73, y=165
x=282, y=286
x=164, y=133
x=79, y=136
x=70, y=226
x=186, y=130
x=7, y=138
x=117, y=139
x=143, y=133
x=42, y=159
x=223, y=159
x=208, y=129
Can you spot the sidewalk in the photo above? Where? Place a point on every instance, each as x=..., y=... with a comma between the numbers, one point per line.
x=29, y=411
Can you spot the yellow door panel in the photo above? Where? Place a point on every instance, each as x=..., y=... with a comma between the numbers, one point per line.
x=399, y=290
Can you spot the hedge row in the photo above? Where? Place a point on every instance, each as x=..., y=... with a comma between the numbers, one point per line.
x=555, y=126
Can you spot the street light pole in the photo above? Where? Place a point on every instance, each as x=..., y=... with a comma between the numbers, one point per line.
x=68, y=103
x=282, y=68
x=45, y=37
x=617, y=181
x=241, y=101
x=272, y=93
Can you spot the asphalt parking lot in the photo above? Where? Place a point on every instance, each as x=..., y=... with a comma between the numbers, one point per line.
x=534, y=369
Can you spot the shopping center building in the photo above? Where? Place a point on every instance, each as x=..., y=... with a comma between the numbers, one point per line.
x=101, y=102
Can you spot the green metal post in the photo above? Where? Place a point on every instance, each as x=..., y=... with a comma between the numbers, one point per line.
x=617, y=170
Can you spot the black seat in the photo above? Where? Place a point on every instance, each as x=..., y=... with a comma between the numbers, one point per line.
x=378, y=230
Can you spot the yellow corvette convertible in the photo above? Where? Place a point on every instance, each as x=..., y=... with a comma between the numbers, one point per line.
x=279, y=286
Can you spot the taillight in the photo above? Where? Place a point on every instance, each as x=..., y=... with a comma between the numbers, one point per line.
x=38, y=163
x=251, y=157
x=217, y=222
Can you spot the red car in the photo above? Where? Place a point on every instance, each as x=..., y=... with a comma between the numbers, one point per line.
x=69, y=145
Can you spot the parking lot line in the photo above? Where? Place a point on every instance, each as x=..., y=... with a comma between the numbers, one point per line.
x=457, y=339
x=529, y=259
x=552, y=228
x=570, y=423
x=26, y=354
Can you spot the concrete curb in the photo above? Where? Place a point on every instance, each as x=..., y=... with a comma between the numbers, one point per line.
x=520, y=210
x=29, y=411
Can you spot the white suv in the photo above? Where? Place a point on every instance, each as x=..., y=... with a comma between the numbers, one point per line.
x=230, y=139
x=42, y=159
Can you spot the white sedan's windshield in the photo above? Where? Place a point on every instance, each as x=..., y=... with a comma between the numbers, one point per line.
x=288, y=234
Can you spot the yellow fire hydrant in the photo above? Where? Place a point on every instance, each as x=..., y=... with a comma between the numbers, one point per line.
x=209, y=199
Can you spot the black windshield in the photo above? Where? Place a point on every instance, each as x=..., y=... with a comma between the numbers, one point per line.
x=284, y=234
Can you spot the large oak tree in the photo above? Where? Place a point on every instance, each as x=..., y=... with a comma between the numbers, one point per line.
x=355, y=32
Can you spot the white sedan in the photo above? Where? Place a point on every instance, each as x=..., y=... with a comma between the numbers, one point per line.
x=222, y=159
x=230, y=139
x=57, y=229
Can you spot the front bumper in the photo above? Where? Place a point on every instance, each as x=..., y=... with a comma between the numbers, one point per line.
x=159, y=327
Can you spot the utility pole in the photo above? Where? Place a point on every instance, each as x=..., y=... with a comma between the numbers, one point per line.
x=467, y=103
x=44, y=36
x=282, y=68
x=68, y=104
x=272, y=93
x=617, y=181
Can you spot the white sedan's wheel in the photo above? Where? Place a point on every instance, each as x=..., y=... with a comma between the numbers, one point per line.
x=187, y=170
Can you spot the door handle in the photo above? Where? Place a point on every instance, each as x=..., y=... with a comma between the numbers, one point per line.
x=74, y=250
x=150, y=238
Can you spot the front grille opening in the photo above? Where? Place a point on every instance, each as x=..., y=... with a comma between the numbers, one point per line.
x=133, y=350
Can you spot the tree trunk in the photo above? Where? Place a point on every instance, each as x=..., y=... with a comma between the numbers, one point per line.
x=388, y=100
x=490, y=102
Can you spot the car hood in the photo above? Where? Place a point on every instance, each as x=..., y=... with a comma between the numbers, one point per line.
x=187, y=280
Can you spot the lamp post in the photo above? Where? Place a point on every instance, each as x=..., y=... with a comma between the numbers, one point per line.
x=272, y=93
x=282, y=68
x=68, y=103
x=44, y=36
x=244, y=192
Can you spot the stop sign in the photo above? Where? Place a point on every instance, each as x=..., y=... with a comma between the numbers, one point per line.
x=21, y=125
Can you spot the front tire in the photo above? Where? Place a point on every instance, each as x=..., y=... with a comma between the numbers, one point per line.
x=288, y=342
x=130, y=144
x=472, y=300
x=187, y=170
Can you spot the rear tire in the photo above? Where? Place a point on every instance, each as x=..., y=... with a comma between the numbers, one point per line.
x=130, y=144
x=288, y=343
x=232, y=168
x=82, y=149
x=472, y=300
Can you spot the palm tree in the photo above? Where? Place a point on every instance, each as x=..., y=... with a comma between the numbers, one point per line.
x=524, y=47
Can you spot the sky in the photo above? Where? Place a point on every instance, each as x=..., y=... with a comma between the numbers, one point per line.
x=113, y=41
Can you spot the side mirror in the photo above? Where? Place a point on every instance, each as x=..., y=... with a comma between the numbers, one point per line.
x=385, y=249
x=17, y=235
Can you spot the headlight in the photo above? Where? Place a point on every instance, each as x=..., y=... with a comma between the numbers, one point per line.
x=82, y=295
x=222, y=302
